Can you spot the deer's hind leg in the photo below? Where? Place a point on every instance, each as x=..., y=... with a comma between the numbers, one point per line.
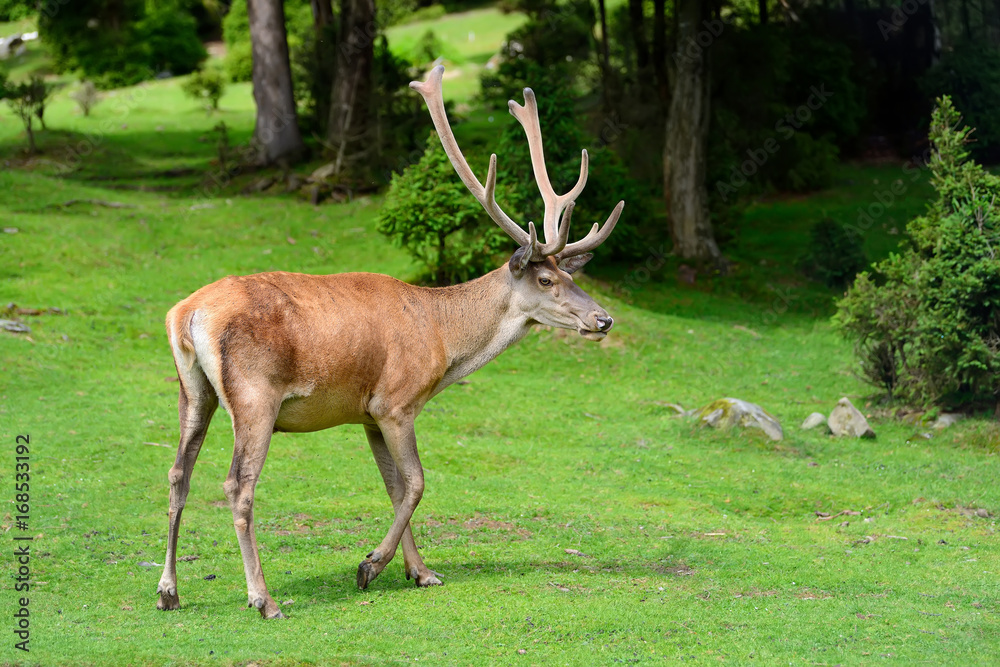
x=253, y=424
x=196, y=404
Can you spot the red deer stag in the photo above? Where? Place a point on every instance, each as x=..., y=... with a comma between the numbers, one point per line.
x=292, y=352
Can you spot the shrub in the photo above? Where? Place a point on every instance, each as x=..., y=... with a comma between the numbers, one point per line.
x=236, y=33
x=170, y=37
x=208, y=85
x=549, y=50
x=86, y=97
x=834, y=256
x=926, y=323
x=27, y=100
x=122, y=43
x=429, y=212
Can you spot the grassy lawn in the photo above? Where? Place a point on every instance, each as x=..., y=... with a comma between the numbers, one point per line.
x=466, y=41
x=686, y=543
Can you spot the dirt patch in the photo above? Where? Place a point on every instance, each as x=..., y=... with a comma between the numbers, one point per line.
x=978, y=512
x=809, y=594
x=756, y=593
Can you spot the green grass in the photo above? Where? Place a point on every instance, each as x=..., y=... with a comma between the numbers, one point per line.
x=468, y=40
x=698, y=545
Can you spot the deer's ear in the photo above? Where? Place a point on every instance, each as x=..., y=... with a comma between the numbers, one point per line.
x=519, y=261
x=574, y=264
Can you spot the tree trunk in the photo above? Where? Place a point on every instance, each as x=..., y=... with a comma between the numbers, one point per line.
x=277, y=130
x=762, y=11
x=660, y=52
x=347, y=128
x=322, y=15
x=636, y=20
x=31, y=136
x=684, y=153
x=605, y=57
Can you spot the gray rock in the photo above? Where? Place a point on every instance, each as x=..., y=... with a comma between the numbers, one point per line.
x=848, y=420
x=14, y=326
x=730, y=412
x=813, y=420
x=947, y=419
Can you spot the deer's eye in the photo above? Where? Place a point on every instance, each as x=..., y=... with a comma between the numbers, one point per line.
x=545, y=282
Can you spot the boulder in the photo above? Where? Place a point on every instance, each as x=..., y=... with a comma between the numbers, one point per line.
x=813, y=420
x=730, y=412
x=947, y=419
x=848, y=420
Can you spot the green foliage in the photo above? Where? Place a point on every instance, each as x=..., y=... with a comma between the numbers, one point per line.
x=122, y=43
x=15, y=10
x=926, y=325
x=970, y=76
x=170, y=38
x=27, y=100
x=833, y=256
x=207, y=85
x=236, y=33
x=429, y=212
x=800, y=92
x=546, y=52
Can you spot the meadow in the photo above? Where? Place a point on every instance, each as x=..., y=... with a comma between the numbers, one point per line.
x=576, y=519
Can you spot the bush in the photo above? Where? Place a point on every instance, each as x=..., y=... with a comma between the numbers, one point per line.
x=86, y=97
x=429, y=212
x=546, y=52
x=236, y=33
x=170, y=37
x=27, y=100
x=926, y=323
x=123, y=43
x=834, y=256
x=207, y=85
x=970, y=75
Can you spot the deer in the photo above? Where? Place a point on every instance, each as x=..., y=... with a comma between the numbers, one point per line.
x=290, y=352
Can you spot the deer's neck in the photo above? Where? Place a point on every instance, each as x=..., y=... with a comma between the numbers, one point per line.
x=478, y=321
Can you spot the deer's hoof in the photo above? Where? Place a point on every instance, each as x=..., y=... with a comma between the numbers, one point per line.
x=367, y=571
x=425, y=578
x=267, y=607
x=169, y=600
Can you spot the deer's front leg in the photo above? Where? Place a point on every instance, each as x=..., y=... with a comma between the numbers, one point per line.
x=400, y=442
x=394, y=486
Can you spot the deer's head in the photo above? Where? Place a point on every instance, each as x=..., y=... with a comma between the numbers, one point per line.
x=541, y=271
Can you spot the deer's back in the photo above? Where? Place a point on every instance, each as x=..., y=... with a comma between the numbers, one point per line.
x=331, y=349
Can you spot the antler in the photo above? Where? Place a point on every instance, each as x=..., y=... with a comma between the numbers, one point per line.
x=556, y=232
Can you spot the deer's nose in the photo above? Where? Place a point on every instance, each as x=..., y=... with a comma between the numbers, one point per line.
x=604, y=323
